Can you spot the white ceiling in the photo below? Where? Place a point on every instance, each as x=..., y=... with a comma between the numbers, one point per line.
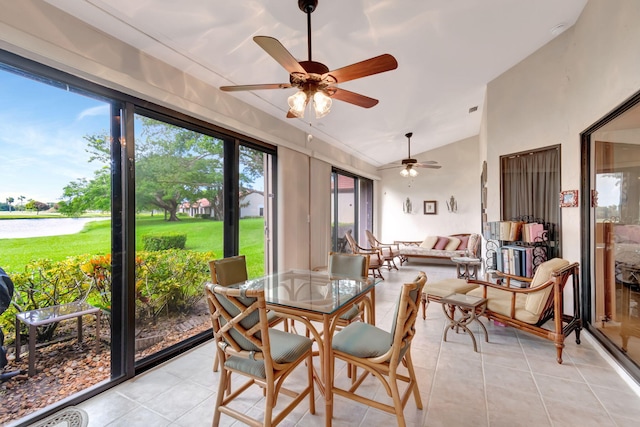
x=447, y=52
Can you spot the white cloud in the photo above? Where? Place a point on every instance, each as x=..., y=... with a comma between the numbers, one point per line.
x=100, y=110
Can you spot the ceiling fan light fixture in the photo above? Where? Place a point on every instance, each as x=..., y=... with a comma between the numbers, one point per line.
x=298, y=103
x=408, y=171
x=322, y=104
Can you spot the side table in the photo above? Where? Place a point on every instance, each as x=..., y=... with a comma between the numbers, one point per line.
x=56, y=313
x=467, y=267
x=469, y=307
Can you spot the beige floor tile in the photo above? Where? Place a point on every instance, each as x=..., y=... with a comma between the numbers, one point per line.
x=513, y=380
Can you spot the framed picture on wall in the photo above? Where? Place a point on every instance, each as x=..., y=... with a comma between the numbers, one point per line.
x=569, y=199
x=430, y=207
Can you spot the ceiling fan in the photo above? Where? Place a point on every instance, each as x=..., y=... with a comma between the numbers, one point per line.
x=314, y=80
x=410, y=164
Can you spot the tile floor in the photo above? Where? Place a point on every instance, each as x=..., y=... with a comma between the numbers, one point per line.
x=513, y=381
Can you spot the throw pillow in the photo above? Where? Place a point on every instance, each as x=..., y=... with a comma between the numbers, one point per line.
x=441, y=243
x=463, y=243
x=429, y=242
x=453, y=244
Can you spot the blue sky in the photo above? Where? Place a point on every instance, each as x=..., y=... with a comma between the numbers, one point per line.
x=42, y=148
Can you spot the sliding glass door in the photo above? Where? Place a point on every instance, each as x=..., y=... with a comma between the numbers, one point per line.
x=122, y=206
x=351, y=208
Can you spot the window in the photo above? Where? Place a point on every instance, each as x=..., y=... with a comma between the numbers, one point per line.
x=351, y=208
x=155, y=210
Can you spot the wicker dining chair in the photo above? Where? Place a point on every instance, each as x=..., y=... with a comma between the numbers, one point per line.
x=352, y=266
x=229, y=271
x=248, y=347
x=381, y=353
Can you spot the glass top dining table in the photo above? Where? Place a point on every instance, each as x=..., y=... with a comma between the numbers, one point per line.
x=314, y=297
x=312, y=291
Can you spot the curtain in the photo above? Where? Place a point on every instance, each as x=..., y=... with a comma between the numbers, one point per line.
x=531, y=185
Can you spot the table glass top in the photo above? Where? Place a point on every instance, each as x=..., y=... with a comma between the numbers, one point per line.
x=55, y=312
x=309, y=290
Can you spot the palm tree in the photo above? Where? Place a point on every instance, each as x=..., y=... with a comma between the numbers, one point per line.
x=9, y=200
x=22, y=198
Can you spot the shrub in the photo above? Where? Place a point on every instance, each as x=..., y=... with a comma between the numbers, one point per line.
x=162, y=242
x=166, y=282
x=44, y=284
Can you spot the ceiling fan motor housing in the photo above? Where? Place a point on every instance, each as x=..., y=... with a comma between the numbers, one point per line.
x=307, y=6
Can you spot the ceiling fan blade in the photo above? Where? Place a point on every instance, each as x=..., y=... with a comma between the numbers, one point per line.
x=353, y=98
x=376, y=65
x=278, y=52
x=428, y=162
x=290, y=115
x=390, y=167
x=255, y=87
x=426, y=166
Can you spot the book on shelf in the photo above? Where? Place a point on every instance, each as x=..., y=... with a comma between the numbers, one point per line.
x=533, y=232
x=515, y=230
x=519, y=260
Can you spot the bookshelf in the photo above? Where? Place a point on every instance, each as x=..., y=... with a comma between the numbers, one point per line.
x=518, y=246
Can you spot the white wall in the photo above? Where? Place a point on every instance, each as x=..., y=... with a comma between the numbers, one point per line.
x=458, y=177
x=556, y=93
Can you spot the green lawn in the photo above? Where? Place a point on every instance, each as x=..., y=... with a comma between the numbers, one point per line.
x=202, y=235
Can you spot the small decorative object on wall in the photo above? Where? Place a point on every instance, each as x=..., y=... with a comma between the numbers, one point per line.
x=407, y=206
x=452, y=205
x=569, y=199
x=430, y=207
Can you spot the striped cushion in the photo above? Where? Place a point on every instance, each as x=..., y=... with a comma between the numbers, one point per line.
x=362, y=340
x=353, y=312
x=285, y=348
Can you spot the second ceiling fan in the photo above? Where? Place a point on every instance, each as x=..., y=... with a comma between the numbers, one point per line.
x=410, y=164
x=314, y=80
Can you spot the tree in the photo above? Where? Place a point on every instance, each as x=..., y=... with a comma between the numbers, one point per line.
x=83, y=195
x=175, y=164
x=34, y=205
x=172, y=165
x=9, y=200
x=22, y=199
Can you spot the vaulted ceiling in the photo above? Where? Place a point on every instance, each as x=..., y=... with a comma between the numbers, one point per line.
x=447, y=52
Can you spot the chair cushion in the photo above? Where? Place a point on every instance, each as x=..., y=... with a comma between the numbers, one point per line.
x=346, y=265
x=361, y=339
x=353, y=312
x=453, y=244
x=285, y=348
x=446, y=287
x=500, y=302
x=537, y=300
x=272, y=316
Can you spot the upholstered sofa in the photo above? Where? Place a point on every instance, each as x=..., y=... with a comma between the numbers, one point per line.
x=441, y=248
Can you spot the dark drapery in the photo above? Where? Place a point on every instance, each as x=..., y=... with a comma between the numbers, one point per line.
x=531, y=185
